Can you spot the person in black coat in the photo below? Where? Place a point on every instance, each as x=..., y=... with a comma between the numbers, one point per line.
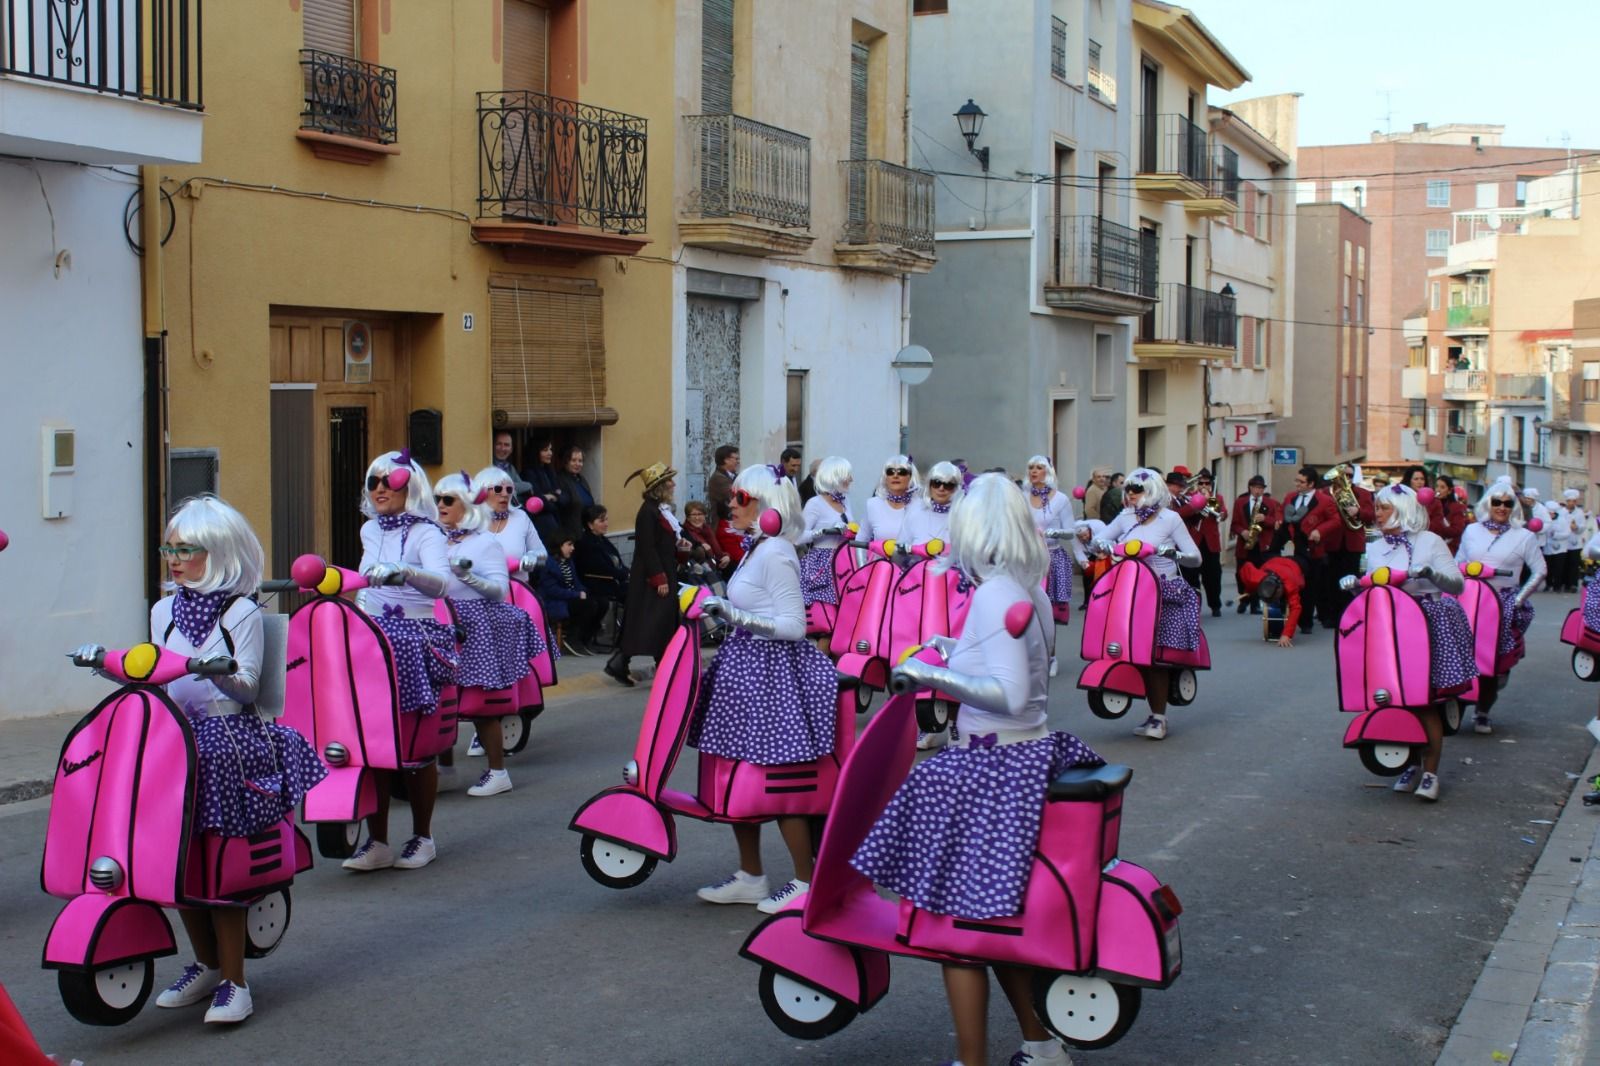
x=652, y=604
x=576, y=492
x=547, y=485
x=600, y=566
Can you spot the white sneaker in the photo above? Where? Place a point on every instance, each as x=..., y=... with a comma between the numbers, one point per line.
x=1154, y=727
x=1408, y=781
x=789, y=897
x=1429, y=789
x=738, y=887
x=230, y=1003
x=1480, y=724
x=475, y=749
x=373, y=855
x=929, y=741
x=1594, y=728
x=418, y=852
x=1041, y=1053
x=195, y=984
x=1052, y=666
x=492, y=783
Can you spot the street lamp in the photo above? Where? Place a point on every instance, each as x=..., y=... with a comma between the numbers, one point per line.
x=970, y=120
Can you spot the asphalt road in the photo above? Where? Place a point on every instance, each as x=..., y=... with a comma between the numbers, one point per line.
x=1326, y=920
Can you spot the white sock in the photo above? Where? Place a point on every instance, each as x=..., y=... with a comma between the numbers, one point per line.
x=1045, y=1050
x=749, y=878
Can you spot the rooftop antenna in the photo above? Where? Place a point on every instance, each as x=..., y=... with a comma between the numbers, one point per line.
x=1388, y=109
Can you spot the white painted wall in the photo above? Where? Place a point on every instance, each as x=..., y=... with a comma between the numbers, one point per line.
x=73, y=351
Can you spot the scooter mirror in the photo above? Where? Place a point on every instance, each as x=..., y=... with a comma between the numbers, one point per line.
x=534, y=505
x=771, y=522
x=1018, y=617
x=1535, y=525
x=308, y=571
x=5, y=541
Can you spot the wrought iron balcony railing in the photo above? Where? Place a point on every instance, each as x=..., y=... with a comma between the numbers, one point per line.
x=888, y=204
x=1105, y=255
x=347, y=97
x=1464, y=443
x=739, y=166
x=1171, y=144
x=1058, y=47
x=147, y=49
x=1225, y=174
x=1186, y=315
x=543, y=158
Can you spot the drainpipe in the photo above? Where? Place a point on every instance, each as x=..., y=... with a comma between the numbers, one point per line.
x=155, y=360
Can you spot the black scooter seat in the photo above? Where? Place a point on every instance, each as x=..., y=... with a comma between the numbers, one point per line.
x=1090, y=782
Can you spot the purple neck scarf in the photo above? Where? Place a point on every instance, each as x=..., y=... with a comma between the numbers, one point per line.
x=195, y=613
x=939, y=508
x=1144, y=514
x=455, y=536
x=836, y=497
x=900, y=497
x=404, y=520
x=1496, y=528
x=1042, y=491
x=499, y=516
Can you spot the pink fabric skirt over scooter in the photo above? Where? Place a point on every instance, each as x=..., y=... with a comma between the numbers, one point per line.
x=816, y=577
x=958, y=837
x=770, y=702
x=1178, y=619
x=499, y=640
x=252, y=773
x=1453, y=664
x=1591, y=606
x=1058, y=579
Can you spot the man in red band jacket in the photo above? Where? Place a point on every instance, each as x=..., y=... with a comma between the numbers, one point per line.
x=1278, y=579
x=1344, y=547
x=1306, y=511
x=1246, y=510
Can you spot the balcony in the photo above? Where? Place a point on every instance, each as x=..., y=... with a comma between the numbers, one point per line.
x=889, y=219
x=349, y=113
x=1414, y=383
x=1470, y=448
x=1188, y=323
x=559, y=180
x=1100, y=269
x=1520, y=389
x=749, y=187
x=1467, y=318
x=1466, y=385
x=114, y=81
x=1175, y=163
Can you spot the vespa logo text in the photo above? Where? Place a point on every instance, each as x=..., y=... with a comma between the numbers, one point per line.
x=68, y=768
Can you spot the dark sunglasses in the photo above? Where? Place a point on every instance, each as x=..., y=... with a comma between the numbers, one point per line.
x=1502, y=503
x=389, y=480
x=499, y=488
x=1132, y=488
x=447, y=501
x=936, y=483
x=896, y=471
x=742, y=498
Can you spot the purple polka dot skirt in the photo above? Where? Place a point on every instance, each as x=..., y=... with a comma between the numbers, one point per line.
x=1591, y=606
x=1058, y=578
x=816, y=577
x=1178, y=618
x=424, y=659
x=1514, y=623
x=499, y=641
x=1453, y=664
x=252, y=773
x=770, y=702
x=958, y=837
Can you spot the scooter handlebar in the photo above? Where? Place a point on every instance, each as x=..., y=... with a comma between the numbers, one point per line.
x=1477, y=569
x=214, y=666
x=279, y=585
x=1383, y=576
x=313, y=574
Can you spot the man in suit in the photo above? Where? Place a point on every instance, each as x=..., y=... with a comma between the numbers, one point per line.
x=1205, y=527
x=719, y=486
x=1254, y=507
x=1305, y=511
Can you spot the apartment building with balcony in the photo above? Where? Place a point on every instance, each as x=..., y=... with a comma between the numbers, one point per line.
x=1409, y=184
x=89, y=94
x=1500, y=338
x=1252, y=253
x=1042, y=270
x=1181, y=186
x=1331, y=341
x=798, y=223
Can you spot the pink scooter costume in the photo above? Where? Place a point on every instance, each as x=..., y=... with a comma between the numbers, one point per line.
x=1431, y=571
x=1178, y=621
x=1495, y=550
x=424, y=649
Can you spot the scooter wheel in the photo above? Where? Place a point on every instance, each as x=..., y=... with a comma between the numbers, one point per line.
x=933, y=716
x=863, y=699
x=615, y=865
x=799, y=1010
x=265, y=924
x=514, y=730
x=1183, y=687
x=1086, y=1012
x=338, y=840
x=1451, y=712
x=1584, y=665
x=108, y=996
x=1385, y=760
x=1107, y=704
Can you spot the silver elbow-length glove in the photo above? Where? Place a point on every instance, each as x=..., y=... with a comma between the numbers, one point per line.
x=1529, y=587
x=1449, y=580
x=531, y=561
x=487, y=589
x=237, y=688
x=759, y=624
x=984, y=692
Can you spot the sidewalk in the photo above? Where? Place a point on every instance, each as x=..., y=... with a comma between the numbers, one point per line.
x=29, y=746
x=1532, y=1003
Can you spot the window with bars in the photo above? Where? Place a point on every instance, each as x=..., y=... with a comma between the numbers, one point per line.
x=1058, y=47
x=1095, y=78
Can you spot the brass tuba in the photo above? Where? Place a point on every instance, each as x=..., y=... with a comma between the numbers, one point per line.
x=1344, y=496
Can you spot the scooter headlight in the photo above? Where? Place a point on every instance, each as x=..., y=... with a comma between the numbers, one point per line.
x=1113, y=650
x=336, y=754
x=863, y=647
x=630, y=773
x=106, y=874
x=1381, y=697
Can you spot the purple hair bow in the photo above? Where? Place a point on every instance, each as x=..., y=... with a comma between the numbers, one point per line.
x=403, y=456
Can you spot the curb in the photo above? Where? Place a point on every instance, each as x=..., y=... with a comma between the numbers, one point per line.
x=1530, y=1004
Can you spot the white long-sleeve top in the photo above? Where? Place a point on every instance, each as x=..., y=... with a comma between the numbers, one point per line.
x=212, y=696
x=1427, y=549
x=423, y=548
x=1080, y=550
x=1056, y=512
x=767, y=583
x=1591, y=550
x=488, y=562
x=518, y=537
x=1557, y=527
x=1020, y=664
x=884, y=521
x=1507, y=552
x=924, y=524
x=819, y=514
x=1577, y=528
x=1165, y=528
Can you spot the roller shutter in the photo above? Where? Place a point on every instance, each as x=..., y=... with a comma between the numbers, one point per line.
x=547, y=353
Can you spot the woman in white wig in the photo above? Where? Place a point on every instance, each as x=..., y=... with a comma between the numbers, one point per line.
x=826, y=517
x=931, y=520
x=1500, y=539
x=890, y=505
